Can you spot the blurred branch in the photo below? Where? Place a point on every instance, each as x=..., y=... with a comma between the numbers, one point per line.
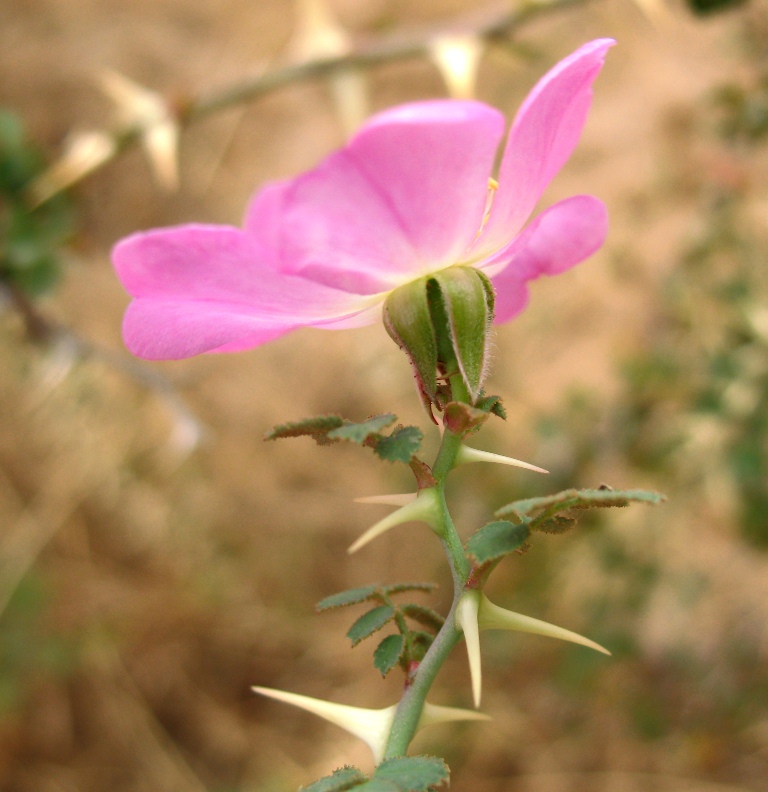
x=188, y=430
x=491, y=26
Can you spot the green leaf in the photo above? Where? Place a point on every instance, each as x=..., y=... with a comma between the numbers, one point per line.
x=388, y=653
x=413, y=773
x=496, y=540
x=557, y=524
x=370, y=622
x=549, y=505
x=401, y=445
x=491, y=404
x=348, y=597
x=316, y=428
x=357, y=595
x=380, y=785
x=423, y=615
x=339, y=781
x=359, y=432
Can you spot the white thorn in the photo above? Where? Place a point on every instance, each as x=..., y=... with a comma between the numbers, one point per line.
x=372, y=726
x=389, y=500
x=434, y=714
x=458, y=59
x=467, y=455
x=423, y=509
x=467, y=622
x=492, y=617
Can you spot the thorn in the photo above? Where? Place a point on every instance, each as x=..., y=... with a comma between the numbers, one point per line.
x=148, y=112
x=423, y=509
x=492, y=617
x=458, y=60
x=83, y=153
x=372, y=726
x=319, y=35
x=467, y=455
x=467, y=620
x=389, y=500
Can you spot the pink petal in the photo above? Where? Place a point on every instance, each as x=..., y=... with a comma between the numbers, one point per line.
x=198, y=288
x=543, y=135
x=556, y=240
x=405, y=196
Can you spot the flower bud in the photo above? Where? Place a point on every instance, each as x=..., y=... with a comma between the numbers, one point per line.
x=441, y=322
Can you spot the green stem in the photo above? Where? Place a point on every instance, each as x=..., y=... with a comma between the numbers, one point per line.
x=414, y=698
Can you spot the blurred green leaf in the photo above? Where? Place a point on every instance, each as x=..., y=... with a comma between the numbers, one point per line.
x=339, y=781
x=413, y=773
x=360, y=432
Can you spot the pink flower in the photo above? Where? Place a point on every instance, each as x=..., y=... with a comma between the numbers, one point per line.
x=406, y=197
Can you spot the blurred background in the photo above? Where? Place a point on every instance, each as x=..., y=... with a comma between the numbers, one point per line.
x=157, y=558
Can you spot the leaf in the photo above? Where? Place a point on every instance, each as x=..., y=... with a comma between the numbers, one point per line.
x=388, y=653
x=401, y=445
x=492, y=404
x=316, y=428
x=348, y=597
x=359, y=432
x=370, y=622
x=423, y=615
x=357, y=595
x=557, y=524
x=339, y=781
x=496, y=540
x=380, y=785
x=413, y=773
x=549, y=505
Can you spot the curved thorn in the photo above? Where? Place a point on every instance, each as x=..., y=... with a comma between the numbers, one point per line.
x=423, y=509
x=492, y=617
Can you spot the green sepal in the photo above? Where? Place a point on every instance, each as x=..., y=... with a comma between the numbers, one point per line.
x=413, y=773
x=401, y=445
x=370, y=622
x=467, y=302
x=408, y=321
x=497, y=539
x=388, y=653
x=369, y=593
x=340, y=780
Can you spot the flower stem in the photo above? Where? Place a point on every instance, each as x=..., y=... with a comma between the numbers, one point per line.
x=412, y=703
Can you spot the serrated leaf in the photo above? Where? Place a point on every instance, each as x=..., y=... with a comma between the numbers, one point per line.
x=557, y=524
x=397, y=588
x=577, y=499
x=388, y=653
x=370, y=622
x=316, y=428
x=401, y=445
x=348, y=597
x=423, y=615
x=413, y=773
x=359, y=432
x=496, y=540
x=339, y=781
x=492, y=404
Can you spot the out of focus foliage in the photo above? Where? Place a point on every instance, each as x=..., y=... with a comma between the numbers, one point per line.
x=30, y=237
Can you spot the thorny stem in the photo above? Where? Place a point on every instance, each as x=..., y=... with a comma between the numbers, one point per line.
x=491, y=26
x=414, y=697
